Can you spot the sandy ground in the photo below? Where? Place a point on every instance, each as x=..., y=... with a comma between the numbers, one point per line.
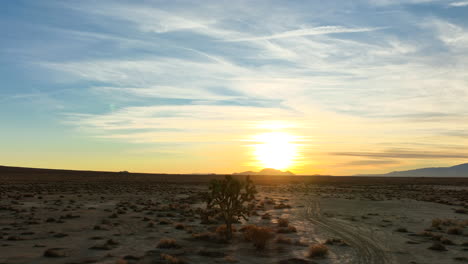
x=104, y=222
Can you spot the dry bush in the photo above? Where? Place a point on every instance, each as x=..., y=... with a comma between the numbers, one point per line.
x=317, y=250
x=258, y=235
x=266, y=216
x=179, y=226
x=401, y=230
x=446, y=241
x=436, y=222
x=282, y=206
x=286, y=230
x=230, y=259
x=283, y=240
x=171, y=259
x=168, y=243
x=437, y=247
x=164, y=222
x=335, y=241
x=283, y=222
x=205, y=236
x=455, y=231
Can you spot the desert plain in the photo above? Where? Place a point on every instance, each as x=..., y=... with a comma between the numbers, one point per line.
x=125, y=218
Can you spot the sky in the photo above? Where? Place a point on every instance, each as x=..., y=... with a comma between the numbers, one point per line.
x=314, y=87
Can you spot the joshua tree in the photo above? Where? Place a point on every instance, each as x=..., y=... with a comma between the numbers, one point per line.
x=232, y=199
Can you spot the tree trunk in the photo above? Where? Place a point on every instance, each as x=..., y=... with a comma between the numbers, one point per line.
x=228, y=230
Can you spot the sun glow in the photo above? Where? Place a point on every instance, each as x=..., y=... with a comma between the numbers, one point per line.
x=275, y=150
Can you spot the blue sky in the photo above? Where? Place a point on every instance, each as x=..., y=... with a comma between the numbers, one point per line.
x=181, y=86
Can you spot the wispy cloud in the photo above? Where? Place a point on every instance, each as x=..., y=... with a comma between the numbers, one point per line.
x=171, y=69
x=404, y=154
x=459, y=4
x=323, y=30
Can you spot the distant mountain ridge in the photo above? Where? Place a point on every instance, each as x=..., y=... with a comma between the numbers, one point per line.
x=454, y=171
x=267, y=171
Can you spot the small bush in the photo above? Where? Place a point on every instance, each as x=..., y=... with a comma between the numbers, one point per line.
x=286, y=230
x=317, y=250
x=283, y=240
x=335, y=241
x=205, y=236
x=283, y=222
x=179, y=226
x=437, y=247
x=230, y=259
x=266, y=216
x=168, y=243
x=402, y=230
x=455, y=231
x=436, y=223
x=171, y=259
x=446, y=241
x=258, y=235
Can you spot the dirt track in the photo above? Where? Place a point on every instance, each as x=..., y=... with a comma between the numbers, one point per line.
x=368, y=249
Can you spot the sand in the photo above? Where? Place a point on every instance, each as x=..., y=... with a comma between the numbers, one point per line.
x=95, y=221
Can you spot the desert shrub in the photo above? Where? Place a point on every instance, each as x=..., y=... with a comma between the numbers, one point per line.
x=206, y=236
x=437, y=246
x=283, y=222
x=232, y=198
x=282, y=206
x=335, y=241
x=164, y=222
x=286, y=230
x=171, y=259
x=179, y=226
x=230, y=259
x=436, y=222
x=455, y=231
x=283, y=240
x=446, y=241
x=401, y=229
x=266, y=216
x=168, y=243
x=258, y=235
x=317, y=250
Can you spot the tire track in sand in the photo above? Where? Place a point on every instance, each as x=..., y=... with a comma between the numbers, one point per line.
x=369, y=250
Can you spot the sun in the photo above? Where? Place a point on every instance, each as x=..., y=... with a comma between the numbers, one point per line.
x=275, y=150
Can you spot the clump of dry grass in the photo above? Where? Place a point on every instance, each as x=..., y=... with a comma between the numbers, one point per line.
x=282, y=206
x=285, y=230
x=230, y=259
x=179, y=226
x=284, y=240
x=436, y=222
x=446, y=241
x=401, y=230
x=171, y=259
x=335, y=241
x=205, y=236
x=455, y=231
x=317, y=250
x=168, y=243
x=258, y=235
x=283, y=222
x=266, y=216
x=437, y=246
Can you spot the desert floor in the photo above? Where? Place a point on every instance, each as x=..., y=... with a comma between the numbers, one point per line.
x=124, y=222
